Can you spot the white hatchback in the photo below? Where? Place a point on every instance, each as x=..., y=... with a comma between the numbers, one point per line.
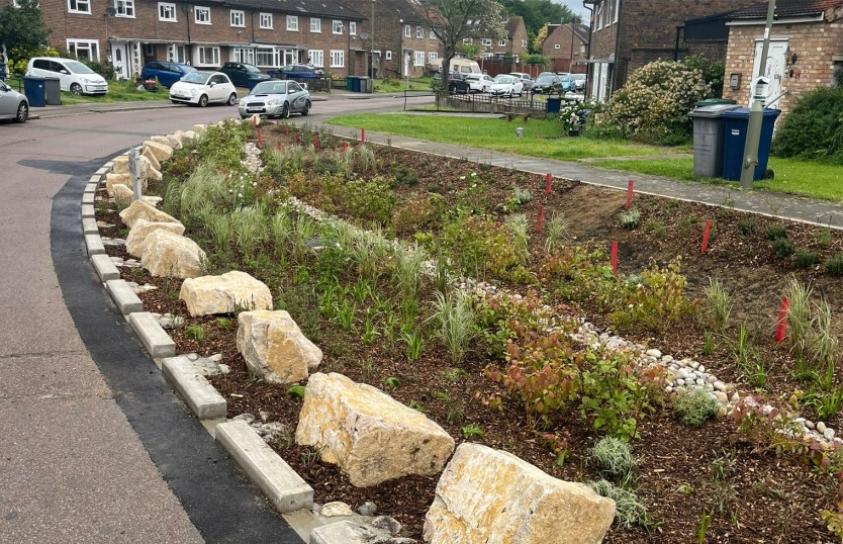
x=203, y=88
x=73, y=75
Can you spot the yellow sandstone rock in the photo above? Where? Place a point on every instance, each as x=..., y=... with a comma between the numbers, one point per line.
x=123, y=196
x=368, y=434
x=488, y=496
x=231, y=292
x=144, y=210
x=274, y=347
x=136, y=240
x=160, y=150
x=170, y=255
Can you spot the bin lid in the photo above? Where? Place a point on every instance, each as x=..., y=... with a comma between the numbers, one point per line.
x=743, y=113
x=34, y=78
x=714, y=102
x=713, y=111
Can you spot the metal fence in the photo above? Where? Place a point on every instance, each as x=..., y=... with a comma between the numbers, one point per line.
x=486, y=103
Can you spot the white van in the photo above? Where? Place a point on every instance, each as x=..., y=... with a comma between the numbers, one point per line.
x=463, y=66
x=73, y=75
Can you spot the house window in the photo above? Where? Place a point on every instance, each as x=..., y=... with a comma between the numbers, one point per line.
x=486, y=42
x=315, y=24
x=336, y=27
x=317, y=57
x=207, y=55
x=337, y=58
x=177, y=53
x=432, y=56
x=267, y=56
x=556, y=46
x=124, y=8
x=467, y=40
x=388, y=54
x=408, y=31
x=265, y=21
x=523, y=43
x=166, y=12
x=419, y=32
x=201, y=15
x=432, y=34
x=352, y=28
x=84, y=49
x=237, y=18
x=418, y=58
x=79, y=6
x=243, y=54
x=293, y=23
x=501, y=43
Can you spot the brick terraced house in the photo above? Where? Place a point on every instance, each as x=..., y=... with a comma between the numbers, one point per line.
x=512, y=45
x=208, y=33
x=806, y=49
x=627, y=34
x=566, y=46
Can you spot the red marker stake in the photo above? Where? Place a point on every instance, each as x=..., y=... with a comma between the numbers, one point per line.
x=630, y=189
x=540, y=220
x=286, y=129
x=614, y=256
x=259, y=135
x=298, y=137
x=548, y=179
x=363, y=136
x=781, y=327
x=706, y=236
x=316, y=141
x=345, y=147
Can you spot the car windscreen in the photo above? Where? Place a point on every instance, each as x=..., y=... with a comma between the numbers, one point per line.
x=504, y=79
x=196, y=77
x=546, y=80
x=270, y=87
x=77, y=67
x=251, y=69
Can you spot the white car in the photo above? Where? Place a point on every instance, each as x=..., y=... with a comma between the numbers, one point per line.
x=479, y=83
x=73, y=75
x=203, y=88
x=13, y=105
x=505, y=85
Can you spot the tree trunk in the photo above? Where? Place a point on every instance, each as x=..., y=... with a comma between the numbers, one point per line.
x=446, y=71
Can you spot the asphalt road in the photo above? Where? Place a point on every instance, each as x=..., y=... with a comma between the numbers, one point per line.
x=73, y=468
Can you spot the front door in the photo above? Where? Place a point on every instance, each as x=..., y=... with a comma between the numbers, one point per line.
x=775, y=69
x=120, y=59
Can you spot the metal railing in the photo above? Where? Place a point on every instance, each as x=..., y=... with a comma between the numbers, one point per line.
x=486, y=103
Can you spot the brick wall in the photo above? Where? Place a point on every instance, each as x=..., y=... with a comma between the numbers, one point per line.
x=561, y=57
x=812, y=44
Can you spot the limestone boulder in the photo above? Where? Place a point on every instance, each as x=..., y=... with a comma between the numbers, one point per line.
x=147, y=171
x=199, y=129
x=140, y=231
x=112, y=180
x=173, y=142
x=274, y=347
x=123, y=196
x=488, y=496
x=170, y=255
x=160, y=150
x=231, y=292
x=151, y=158
x=141, y=209
x=120, y=164
x=368, y=434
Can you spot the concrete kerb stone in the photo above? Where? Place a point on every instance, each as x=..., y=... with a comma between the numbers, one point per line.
x=104, y=267
x=194, y=388
x=126, y=300
x=88, y=211
x=281, y=484
x=89, y=226
x=91, y=187
x=87, y=198
x=152, y=335
x=94, y=244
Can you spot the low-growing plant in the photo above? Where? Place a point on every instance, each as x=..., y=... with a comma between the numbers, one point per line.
x=747, y=226
x=782, y=248
x=806, y=258
x=296, y=391
x=520, y=233
x=823, y=238
x=656, y=302
x=694, y=407
x=827, y=404
x=629, y=510
x=370, y=200
x=409, y=270
x=482, y=247
x=224, y=323
x=834, y=265
x=472, y=430
x=391, y=382
x=799, y=316
x=405, y=176
x=557, y=233
x=708, y=343
x=630, y=219
x=195, y=332
x=723, y=466
x=718, y=303
x=455, y=318
x=775, y=232
x=419, y=213
x=747, y=359
x=613, y=457
x=414, y=343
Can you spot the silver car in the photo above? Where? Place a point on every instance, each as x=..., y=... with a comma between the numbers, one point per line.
x=275, y=98
x=13, y=105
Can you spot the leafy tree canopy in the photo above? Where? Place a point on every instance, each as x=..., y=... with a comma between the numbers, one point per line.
x=22, y=28
x=538, y=13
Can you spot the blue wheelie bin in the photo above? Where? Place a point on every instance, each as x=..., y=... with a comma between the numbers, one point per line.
x=735, y=125
x=35, y=91
x=554, y=105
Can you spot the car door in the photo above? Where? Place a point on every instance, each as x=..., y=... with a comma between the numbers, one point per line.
x=60, y=71
x=298, y=98
x=227, y=87
x=8, y=101
x=216, y=88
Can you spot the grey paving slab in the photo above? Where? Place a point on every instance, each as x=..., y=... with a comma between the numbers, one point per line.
x=50, y=375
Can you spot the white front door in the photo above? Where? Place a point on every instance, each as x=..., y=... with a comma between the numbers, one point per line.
x=120, y=59
x=407, y=67
x=776, y=66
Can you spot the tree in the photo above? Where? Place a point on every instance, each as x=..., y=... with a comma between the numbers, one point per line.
x=469, y=50
x=454, y=20
x=22, y=29
x=537, y=13
x=538, y=41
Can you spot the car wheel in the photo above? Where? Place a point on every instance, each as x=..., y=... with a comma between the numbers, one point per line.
x=306, y=109
x=203, y=101
x=174, y=101
x=23, y=113
x=75, y=88
x=285, y=111
x=232, y=100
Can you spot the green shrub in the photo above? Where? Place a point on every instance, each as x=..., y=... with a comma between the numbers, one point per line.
x=747, y=226
x=195, y=332
x=806, y=258
x=455, y=318
x=814, y=128
x=719, y=303
x=371, y=200
x=557, y=233
x=695, y=407
x=712, y=71
x=629, y=510
x=834, y=265
x=630, y=219
x=775, y=232
x=483, y=247
x=656, y=302
x=420, y=212
x=782, y=248
x=613, y=456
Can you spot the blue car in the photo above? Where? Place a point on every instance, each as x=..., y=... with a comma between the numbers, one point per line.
x=165, y=72
x=298, y=71
x=243, y=75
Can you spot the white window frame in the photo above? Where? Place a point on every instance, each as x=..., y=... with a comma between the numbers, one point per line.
x=237, y=18
x=317, y=27
x=502, y=43
x=336, y=26
x=317, y=57
x=408, y=31
x=201, y=9
x=293, y=23
x=467, y=40
x=170, y=6
x=432, y=35
x=273, y=53
x=93, y=46
x=352, y=28
x=388, y=54
x=177, y=52
x=418, y=58
x=264, y=18
x=419, y=32
x=215, y=55
x=78, y=9
x=432, y=57
x=486, y=42
x=245, y=55
x=124, y=9
x=617, y=10
x=337, y=58
x=557, y=46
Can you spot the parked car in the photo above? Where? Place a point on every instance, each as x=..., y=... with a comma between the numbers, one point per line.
x=203, y=88
x=275, y=98
x=244, y=75
x=579, y=82
x=524, y=78
x=165, y=72
x=506, y=85
x=13, y=105
x=479, y=83
x=549, y=83
x=457, y=84
x=297, y=71
x=73, y=75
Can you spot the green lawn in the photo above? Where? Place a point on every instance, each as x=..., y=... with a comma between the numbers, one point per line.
x=542, y=138
x=118, y=91
x=393, y=85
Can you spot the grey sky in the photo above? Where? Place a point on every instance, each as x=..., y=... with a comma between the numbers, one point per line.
x=576, y=7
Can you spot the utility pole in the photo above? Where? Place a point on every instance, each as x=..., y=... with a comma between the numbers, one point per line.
x=372, y=48
x=756, y=114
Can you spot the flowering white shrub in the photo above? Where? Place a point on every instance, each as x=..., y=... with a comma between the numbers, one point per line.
x=655, y=101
